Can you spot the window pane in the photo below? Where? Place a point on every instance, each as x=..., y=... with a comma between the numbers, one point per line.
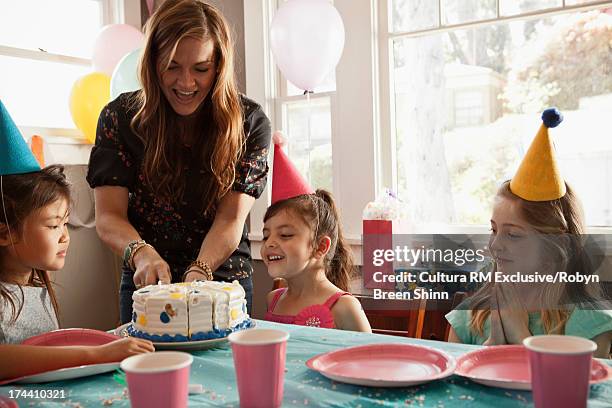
x=463, y=11
x=468, y=105
x=511, y=7
x=37, y=92
x=66, y=27
x=328, y=85
x=408, y=15
x=572, y=2
x=308, y=130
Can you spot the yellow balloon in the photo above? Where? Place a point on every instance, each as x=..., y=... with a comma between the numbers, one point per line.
x=88, y=96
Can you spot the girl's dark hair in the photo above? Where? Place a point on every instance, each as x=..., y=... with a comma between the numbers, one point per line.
x=319, y=211
x=22, y=194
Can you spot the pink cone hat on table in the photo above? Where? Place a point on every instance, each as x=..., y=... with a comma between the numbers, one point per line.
x=287, y=182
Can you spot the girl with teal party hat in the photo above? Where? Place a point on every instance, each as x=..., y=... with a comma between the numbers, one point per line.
x=537, y=228
x=34, y=209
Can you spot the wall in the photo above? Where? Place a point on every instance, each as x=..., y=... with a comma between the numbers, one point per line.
x=233, y=10
x=262, y=284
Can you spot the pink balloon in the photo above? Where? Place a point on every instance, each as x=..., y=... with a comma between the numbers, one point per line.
x=112, y=43
x=307, y=38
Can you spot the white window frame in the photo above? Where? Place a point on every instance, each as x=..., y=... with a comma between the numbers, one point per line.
x=354, y=120
x=362, y=114
x=386, y=97
x=113, y=12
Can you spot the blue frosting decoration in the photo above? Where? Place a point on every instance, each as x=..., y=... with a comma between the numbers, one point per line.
x=164, y=317
x=552, y=117
x=166, y=338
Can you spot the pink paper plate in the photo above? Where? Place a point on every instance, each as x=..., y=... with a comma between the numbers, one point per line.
x=508, y=367
x=71, y=337
x=384, y=365
x=67, y=337
x=6, y=402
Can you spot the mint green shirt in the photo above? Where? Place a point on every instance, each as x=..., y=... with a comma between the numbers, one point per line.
x=581, y=323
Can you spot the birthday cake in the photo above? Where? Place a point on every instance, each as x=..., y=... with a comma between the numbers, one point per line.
x=191, y=311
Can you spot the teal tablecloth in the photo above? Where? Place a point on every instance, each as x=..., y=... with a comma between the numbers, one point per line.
x=303, y=387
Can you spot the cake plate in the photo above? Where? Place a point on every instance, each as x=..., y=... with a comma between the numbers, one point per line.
x=182, y=345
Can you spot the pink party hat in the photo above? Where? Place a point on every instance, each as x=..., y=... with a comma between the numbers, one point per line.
x=287, y=182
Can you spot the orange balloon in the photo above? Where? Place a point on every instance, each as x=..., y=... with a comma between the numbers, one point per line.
x=37, y=149
x=89, y=95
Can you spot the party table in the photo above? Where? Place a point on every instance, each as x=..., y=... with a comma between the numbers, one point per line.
x=214, y=369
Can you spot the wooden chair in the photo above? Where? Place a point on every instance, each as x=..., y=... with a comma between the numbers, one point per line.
x=436, y=327
x=279, y=283
x=406, y=318
x=394, y=317
x=419, y=319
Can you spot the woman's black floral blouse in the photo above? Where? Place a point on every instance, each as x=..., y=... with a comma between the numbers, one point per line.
x=176, y=232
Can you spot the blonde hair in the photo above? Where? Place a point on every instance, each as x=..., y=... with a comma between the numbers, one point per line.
x=221, y=142
x=555, y=219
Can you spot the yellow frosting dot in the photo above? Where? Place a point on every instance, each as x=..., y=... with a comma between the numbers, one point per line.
x=228, y=288
x=142, y=320
x=235, y=313
x=176, y=295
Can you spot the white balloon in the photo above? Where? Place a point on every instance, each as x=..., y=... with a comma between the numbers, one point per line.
x=112, y=43
x=307, y=38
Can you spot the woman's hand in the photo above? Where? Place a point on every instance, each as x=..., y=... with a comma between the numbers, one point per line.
x=119, y=349
x=150, y=268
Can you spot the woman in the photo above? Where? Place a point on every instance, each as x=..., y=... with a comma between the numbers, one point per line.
x=178, y=165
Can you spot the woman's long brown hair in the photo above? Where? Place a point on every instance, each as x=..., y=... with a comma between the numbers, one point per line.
x=319, y=211
x=23, y=194
x=220, y=142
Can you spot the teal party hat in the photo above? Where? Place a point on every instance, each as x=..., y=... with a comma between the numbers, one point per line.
x=15, y=155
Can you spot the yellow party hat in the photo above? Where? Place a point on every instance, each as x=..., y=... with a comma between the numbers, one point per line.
x=538, y=177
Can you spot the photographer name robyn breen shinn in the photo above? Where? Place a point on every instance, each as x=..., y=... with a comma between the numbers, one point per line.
x=459, y=257
x=476, y=277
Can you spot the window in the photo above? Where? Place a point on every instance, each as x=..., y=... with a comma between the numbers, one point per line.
x=468, y=108
x=307, y=122
x=44, y=47
x=332, y=131
x=468, y=81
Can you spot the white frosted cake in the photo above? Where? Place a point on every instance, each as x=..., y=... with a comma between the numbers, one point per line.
x=188, y=311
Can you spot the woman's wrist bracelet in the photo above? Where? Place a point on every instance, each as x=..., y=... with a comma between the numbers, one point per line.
x=129, y=250
x=133, y=254
x=204, y=269
x=188, y=271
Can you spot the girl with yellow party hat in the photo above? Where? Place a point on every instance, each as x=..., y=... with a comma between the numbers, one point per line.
x=536, y=229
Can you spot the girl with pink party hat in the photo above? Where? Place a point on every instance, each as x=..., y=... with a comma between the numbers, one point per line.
x=304, y=245
x=537, y=227
x=34, y=209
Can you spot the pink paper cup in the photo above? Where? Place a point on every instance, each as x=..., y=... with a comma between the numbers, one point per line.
x=158, y=380
x=560, y=370
x=259, y=359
